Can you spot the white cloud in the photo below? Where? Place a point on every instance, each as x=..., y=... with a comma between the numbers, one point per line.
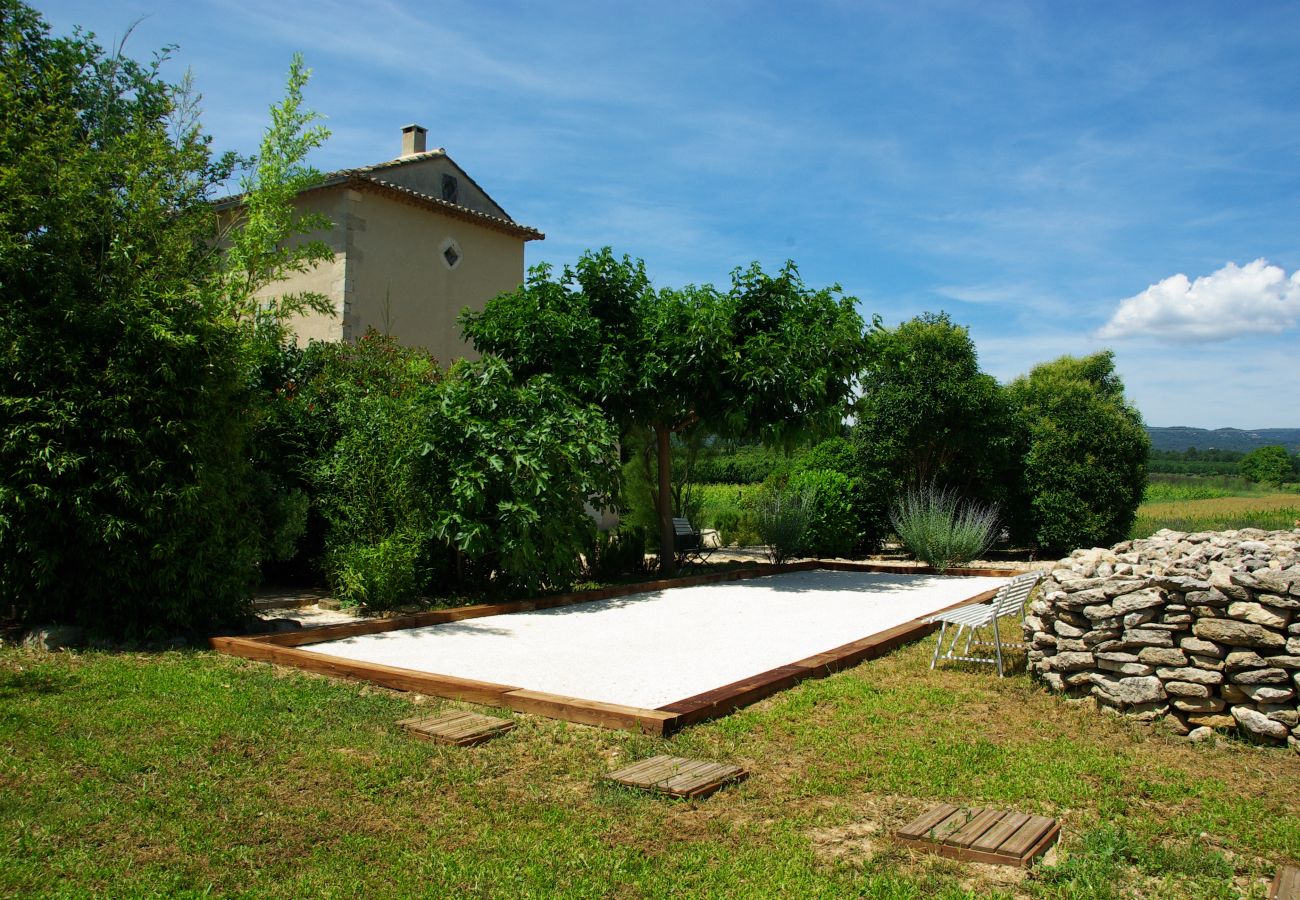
x=1257, y=298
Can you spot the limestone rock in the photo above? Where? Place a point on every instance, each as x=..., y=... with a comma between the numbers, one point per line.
x=1260, y=676
x=1148, y=637
x=1200, y=734
x=1162, y=656
x=1243, y=659
x=1069, y=662
x=1201, y=647
x=1267, y=693
x=1259, y=614
x=1186, y=689
x=1259, y=725
x=1065, y=629
x=1135, y=601
x=1238, y=634
x=1280, y=712
x=1128, y=691
x=1190, y=673
x=1212, y=720
x=1199, y=704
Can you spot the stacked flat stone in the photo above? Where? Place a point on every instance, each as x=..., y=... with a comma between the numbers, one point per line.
x=1202, y=628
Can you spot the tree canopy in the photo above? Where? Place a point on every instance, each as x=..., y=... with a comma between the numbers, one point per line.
x=1083, y=452
x=927, y=413
x=1270, y=465
x=768, y=358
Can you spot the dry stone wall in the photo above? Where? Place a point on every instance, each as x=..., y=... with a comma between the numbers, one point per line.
x=1203, y=628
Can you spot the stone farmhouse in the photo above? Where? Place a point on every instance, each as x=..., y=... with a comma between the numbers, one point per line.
x=415, y=241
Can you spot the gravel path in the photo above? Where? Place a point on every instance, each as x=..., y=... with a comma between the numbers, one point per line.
x=651, y=649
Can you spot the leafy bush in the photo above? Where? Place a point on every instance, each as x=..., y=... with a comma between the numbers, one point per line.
x=617, y=553
x=341, y=426
x=380, y=575
x=730, y=509
x=747, y=464
x=1269, y=465
x=941, y=530
x=782, y=519
x=871, y=484
x=829, y=495
x=1083, y=452
x=123, y=473
x=516, y=464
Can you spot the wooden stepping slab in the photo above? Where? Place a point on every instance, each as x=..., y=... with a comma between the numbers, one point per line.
x=678, y=777
x=1286, y=884
x=976, y=834
x=456, y=727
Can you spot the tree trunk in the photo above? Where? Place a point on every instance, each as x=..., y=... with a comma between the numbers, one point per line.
x=667, y=558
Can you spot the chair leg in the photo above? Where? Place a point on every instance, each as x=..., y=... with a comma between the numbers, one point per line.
x=997, y=640
x=943, y=628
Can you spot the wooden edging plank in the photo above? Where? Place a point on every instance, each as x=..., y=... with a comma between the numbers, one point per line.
x=1286, y=884
x=448, y=686
x=283, y=649
x=589, y=712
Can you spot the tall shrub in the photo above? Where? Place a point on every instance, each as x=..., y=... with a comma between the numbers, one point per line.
x=940, y=529
x=928, y=413
x=1082, y=450
x=829, y=497
x=121, y=465
x=782, y=517
x=517, y=462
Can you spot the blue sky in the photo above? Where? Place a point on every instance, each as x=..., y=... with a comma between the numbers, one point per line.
x=1058, y=177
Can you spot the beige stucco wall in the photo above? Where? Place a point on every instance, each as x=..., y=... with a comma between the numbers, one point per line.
x=400, y=283
x=328, y=278
x=425, y=176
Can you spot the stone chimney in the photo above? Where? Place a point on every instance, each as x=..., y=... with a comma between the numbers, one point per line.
x=413, y=139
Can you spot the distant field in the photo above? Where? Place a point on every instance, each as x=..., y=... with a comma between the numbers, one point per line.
x=1270, y=511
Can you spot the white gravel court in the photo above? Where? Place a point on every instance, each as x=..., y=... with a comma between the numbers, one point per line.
x=652, y=649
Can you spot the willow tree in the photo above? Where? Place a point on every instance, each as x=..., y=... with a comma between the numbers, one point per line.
x=766, y=359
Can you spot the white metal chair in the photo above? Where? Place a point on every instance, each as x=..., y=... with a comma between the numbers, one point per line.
x=1009, y=600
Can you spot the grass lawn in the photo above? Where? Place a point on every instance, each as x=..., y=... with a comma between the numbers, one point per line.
x=188, y=772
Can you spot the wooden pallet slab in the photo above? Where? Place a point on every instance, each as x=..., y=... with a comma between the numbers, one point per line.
x=457, y=727
x=1286, y=884
x=976, y=834
x=677, y=776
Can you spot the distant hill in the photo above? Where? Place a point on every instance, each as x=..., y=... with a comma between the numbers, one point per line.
x=1179, y=437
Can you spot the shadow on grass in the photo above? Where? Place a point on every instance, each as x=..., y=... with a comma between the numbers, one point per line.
x=14, y=685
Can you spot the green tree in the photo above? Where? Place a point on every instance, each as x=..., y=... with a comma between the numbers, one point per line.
x=124, y=394
x=1082, y=450
x=927, y=413
x=1267, y=465
x=768, y=358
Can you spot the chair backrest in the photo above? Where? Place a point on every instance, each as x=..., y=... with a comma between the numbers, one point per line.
x=682, y=526
x=1012, y=595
